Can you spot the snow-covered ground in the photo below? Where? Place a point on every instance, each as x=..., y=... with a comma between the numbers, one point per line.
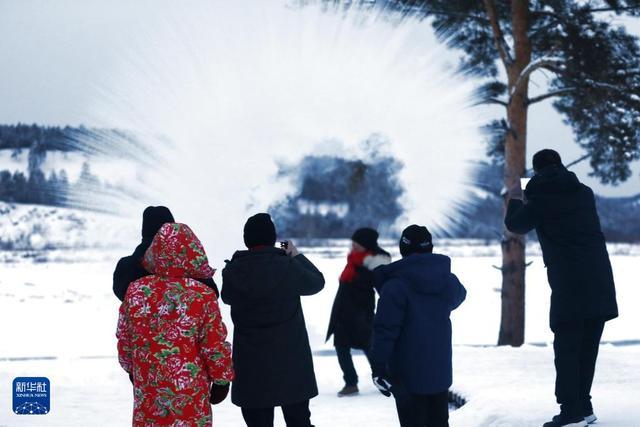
x=504, y=387
x=59, y=321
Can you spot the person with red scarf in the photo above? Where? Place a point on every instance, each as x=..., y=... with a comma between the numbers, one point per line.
x=353, y=309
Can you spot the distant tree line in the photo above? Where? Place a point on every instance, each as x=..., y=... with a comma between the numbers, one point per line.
x=34, y=187
x=67, y=138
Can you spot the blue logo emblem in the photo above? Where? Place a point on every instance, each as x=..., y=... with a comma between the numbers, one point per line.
x=31, y=396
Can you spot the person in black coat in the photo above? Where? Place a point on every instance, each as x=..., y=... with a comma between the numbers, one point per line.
x=411, y=351
x=563, y=212
x=351, y=321
x=129, y=268
x=271, y=353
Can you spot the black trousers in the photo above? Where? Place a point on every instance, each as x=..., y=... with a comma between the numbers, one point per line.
x=423, y=410
x=295, y=415
x=576, y=346
x=346, y=364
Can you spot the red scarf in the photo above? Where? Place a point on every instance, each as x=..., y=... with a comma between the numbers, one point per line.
x=354, y=260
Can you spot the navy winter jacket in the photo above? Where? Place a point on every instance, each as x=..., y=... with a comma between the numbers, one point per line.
x=412, y=330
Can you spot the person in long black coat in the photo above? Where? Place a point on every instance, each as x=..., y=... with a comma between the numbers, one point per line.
x=129, y=268
x=271, y=353
x=351, y=322
x=563, y=212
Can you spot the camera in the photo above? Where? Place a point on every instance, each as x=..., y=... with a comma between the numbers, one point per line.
x=284, y=245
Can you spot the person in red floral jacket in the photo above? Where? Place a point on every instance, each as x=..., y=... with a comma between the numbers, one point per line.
x=171, y=338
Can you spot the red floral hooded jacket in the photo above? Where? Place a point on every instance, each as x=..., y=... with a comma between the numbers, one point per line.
x=171, y=337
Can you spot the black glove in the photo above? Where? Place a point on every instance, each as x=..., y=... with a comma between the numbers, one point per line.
x=382, y=383
x=218, y=393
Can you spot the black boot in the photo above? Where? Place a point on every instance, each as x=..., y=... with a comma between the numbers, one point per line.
x=348, y=390
x=587, y=412
x=562, y=420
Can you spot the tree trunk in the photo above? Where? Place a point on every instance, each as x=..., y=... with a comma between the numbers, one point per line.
x=513, y=246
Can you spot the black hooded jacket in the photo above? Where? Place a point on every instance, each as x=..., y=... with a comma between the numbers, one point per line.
x=129, y=269
x=271, y=353
x=563, y=212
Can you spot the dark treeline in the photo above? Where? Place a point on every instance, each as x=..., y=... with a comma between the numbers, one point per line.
x=67, y=138
x=34, y=186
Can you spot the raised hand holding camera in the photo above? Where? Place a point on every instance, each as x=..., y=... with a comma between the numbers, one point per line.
x=289, y=248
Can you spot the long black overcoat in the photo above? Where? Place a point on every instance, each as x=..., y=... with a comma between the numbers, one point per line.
x=271, y=353
x=563, y=212
x=351, y=322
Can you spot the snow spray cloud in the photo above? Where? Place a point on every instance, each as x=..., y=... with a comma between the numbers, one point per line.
x=236, y=90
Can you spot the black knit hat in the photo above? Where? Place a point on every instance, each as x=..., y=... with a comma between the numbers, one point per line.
x=545, y=158
x=259, y=231
x=415, y=239
x=153, y=218
x=366, y=237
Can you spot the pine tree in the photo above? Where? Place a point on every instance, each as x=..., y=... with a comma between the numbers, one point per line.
x=593, y=72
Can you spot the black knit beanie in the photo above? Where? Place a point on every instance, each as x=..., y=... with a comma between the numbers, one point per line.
x=367, y=238
x=415, y=239
x=153, y=218
x=259, y=231
x=546, y=158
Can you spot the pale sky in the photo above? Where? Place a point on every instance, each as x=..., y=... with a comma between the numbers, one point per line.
x=52, y=53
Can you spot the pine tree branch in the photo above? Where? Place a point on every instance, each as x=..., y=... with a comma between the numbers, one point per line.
x=425, y=11
x=496, y=101
x=457, y=15
x=486, y=101
x=498, y=36
x=611, y=9
x=624, y=92
x=578, y=160
x=551, y=64
x=557, y=92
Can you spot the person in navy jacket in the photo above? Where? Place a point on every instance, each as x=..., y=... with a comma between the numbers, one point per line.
x=411, y=350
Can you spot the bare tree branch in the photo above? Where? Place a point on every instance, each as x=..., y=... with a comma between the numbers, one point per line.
x=551, y=94
x=498, y=36
x=578, y=160
x=492, y=101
